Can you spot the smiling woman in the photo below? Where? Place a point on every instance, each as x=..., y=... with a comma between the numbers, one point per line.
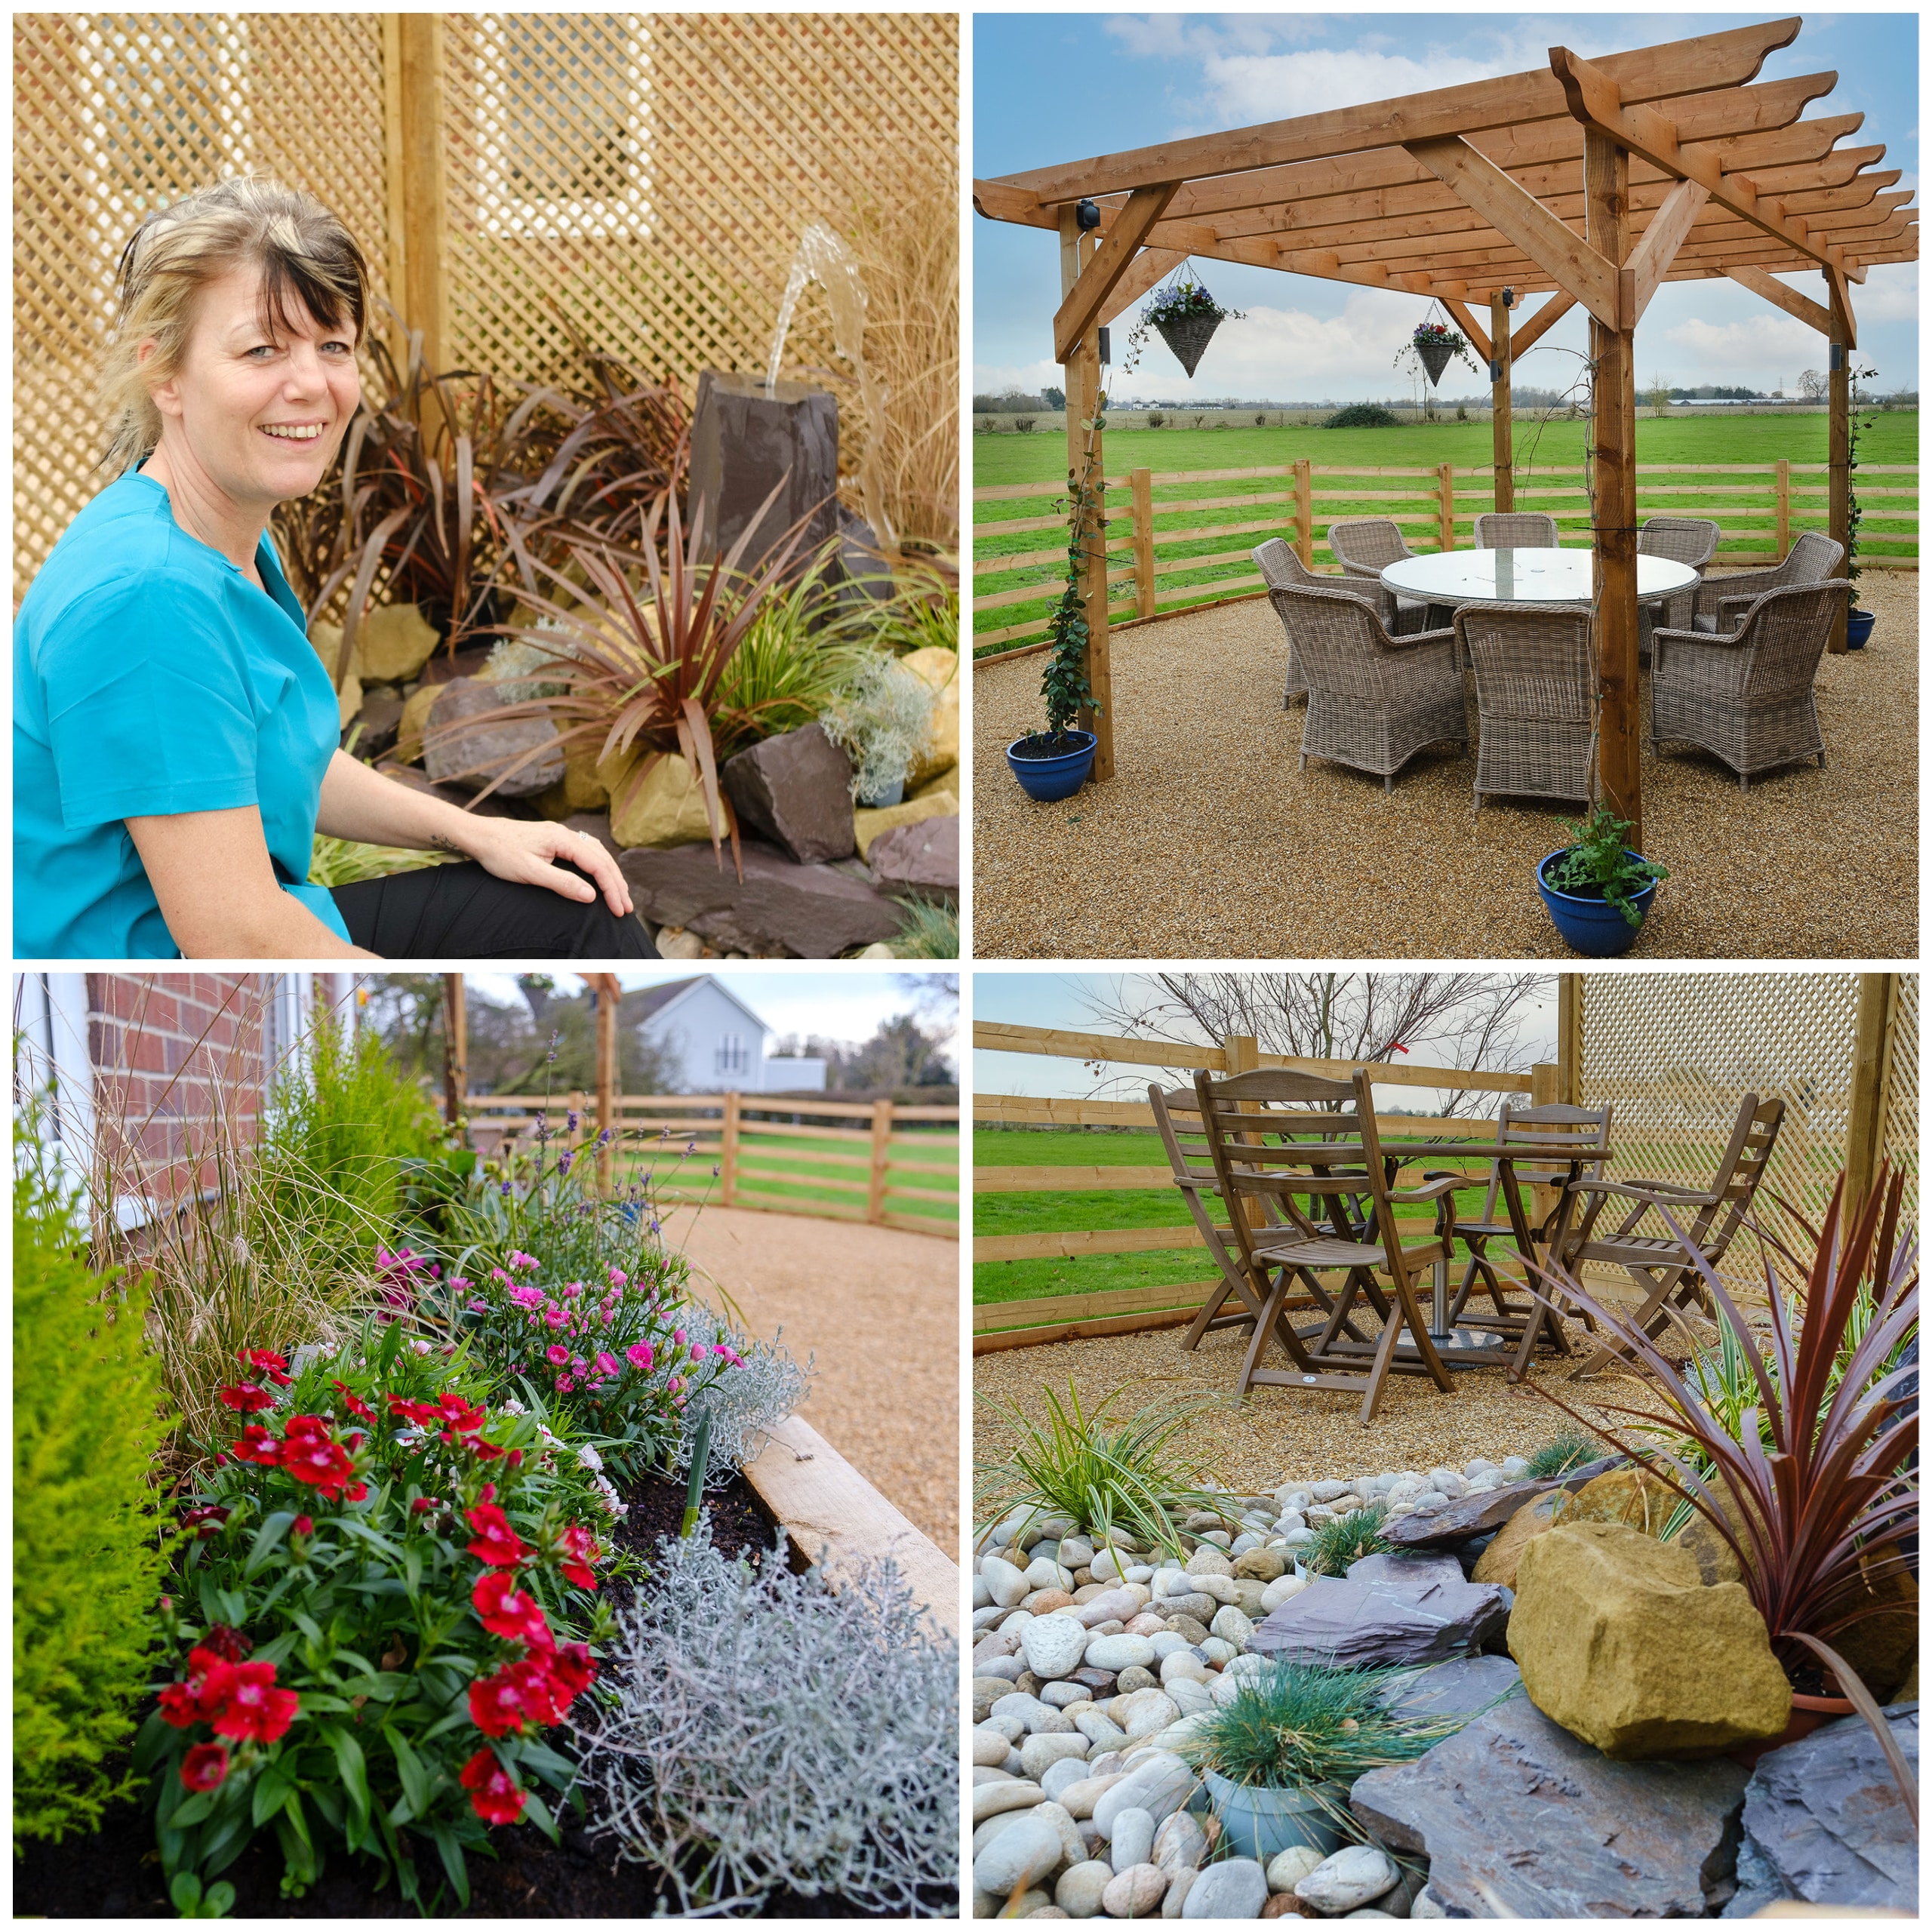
x=175, y=733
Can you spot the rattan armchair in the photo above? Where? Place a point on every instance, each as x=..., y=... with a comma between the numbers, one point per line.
x=1684, y=540
x=1722, y=601
x=1282, y=568
x=1536, y=698
x=1515, y=530
x=1373, y=701
x=1364, y=547
x=1745, y=695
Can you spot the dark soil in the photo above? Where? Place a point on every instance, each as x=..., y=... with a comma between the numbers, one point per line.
x=115, y=1872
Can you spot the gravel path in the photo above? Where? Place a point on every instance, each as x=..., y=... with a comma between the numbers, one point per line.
x=1281, y=1435
x=879, y=1310
x=1210, y=843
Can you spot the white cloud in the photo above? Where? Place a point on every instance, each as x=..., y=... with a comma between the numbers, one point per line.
x=1753, y=352
x=1889, y=293
x=995, y=378
x=1277, y=87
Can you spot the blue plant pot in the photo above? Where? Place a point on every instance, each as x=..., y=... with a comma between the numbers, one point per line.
x=1261, y=1822
x=1593, y=927
x=1047, y=779
x=1858, y=629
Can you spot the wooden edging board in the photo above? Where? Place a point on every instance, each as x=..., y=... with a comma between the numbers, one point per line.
x=831, y=1515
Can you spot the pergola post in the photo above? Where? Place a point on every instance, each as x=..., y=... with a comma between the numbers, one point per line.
x=1501, y=446
x=456, y=1049
x=1613, y=495
x=1839, y=454
x=414, y=77
x=1083, y=390
x=1871, y=1068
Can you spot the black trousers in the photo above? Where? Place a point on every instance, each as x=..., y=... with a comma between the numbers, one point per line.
x=461, y=911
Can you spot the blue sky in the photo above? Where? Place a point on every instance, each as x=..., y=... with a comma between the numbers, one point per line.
x=1051, y=88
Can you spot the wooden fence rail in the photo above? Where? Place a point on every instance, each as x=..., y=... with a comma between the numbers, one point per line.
x=732, y=1134
x=1759, y=507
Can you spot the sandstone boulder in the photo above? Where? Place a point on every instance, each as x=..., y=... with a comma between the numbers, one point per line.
x=1497, y=1563
x=1622, y=1642
x=394, y=643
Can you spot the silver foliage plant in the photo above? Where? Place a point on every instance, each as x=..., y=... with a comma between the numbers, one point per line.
x=745, y=1404
x=756, y=1730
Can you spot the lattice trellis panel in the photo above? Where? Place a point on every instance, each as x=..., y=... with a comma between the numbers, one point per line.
x=646, y=176
x=1900, y=1144
x=117, y=114
x=1675, y=1054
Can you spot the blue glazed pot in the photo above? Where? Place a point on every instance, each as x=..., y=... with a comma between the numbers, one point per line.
x=1261, y=1821
x=1047, y=779
x=1858, y=629
x=1593, y=927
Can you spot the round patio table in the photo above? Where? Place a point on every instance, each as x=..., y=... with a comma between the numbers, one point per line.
x=1522, y=577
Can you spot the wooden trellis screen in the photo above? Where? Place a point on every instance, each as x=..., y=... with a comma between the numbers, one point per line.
x=648, y=175
x=1675, y=1054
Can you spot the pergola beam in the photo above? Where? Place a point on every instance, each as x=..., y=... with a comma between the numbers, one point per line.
x=1525, y=337
x=1080, y=309
x=1147, y=270
x=1654, y=253
x=1479, y=338
x=1782, y=295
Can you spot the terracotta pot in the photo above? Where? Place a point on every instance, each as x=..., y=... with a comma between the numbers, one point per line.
x=1807, y=1715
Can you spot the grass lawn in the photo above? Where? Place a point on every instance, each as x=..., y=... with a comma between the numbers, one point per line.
x=808, y=1171
x=1007, y=459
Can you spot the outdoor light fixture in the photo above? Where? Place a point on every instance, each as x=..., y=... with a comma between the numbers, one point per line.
x=1106, y=350
x=1087, y=213
x=1837, y=357
x=1495, y=370
x=1508, y=298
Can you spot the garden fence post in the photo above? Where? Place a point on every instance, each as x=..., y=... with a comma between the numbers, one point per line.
x=1142, y=483
x=1243, y=1052
x=881, y=1150
x=1304, y=514
x=456, y=1050
x=727, y=1162
x=1784, y=507
x=1501, y=450
x=1871, y=1070
x=1569, y=1038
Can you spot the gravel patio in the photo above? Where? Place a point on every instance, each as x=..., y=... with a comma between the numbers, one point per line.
x=1211, y=843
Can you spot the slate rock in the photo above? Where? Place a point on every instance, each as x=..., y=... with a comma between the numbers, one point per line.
x=745, y=444
x=921, y=860
x=470, y=755
x=495, y=806
x=795, y=789
x=780, y=908
x=1419, y=1568
x=1459, y=1688
x=1824, y=1821
x=379, y=718
x=1453, y=1523
x=1520, y=1820
x=1337, y=1620
x=1235, y=1888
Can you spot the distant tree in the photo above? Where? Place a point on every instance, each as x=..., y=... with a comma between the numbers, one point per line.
x=1813, y=384
x=1024, y=424
x=1053, y=398
x=1154, y=421
x=902, y=1053
x=1363, y=415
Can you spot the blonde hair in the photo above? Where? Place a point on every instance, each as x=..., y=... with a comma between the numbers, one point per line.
x=308, y=259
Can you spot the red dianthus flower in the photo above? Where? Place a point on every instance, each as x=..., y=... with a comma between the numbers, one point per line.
x=202, y=1694
x=225, y=1641
x=352, y=1402
x=255, y=1709
x=580, y=1551
x=494, y=1795
x=316, y=1460
x=257, y=1446
x=507, y=1611
x=519, y=1694
x=571, y=1671
x=204, y=1767
x=275, y=1367
x=245, y=1398
x=497, y=1542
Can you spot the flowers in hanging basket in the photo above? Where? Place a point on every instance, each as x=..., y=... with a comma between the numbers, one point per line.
x=1186, y=301
x=1439, y=335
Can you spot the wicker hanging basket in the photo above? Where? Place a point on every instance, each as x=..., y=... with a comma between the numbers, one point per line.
x=1188, y=338
x=1435, y=358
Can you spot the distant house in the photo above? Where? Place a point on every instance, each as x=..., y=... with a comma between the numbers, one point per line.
x=710, y=1042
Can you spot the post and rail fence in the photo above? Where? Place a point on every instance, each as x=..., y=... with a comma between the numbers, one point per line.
x=1760, y=507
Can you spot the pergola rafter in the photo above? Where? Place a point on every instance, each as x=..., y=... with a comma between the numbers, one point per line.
x=1593, y=183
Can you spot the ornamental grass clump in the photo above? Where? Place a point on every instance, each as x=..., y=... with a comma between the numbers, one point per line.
x=1346, y=1540
x=88, y=1418
x=755, y=1731
x=1568, y=1450
x=384, y=1596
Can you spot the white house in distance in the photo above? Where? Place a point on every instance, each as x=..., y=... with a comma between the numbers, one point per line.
x=711, y=1042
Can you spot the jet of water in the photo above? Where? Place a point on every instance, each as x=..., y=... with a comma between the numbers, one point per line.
x=824, y=259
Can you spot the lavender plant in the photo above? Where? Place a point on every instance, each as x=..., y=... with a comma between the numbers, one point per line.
x=757, y=1731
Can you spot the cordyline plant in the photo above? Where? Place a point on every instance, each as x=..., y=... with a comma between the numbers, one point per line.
x=1820, y=1465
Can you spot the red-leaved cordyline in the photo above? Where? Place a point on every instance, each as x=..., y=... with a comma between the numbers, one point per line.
x=204, y=1767
x=494, y=1795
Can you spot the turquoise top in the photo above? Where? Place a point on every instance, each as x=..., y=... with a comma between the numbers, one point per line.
x=151, y=677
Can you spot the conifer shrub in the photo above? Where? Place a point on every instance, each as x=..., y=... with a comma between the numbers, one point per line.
x=88, y=1421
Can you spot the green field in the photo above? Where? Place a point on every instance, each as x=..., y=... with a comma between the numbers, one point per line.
x=811, y=1163
x=1007, y=459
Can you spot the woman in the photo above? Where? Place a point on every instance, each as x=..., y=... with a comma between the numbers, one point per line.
x=175, y=733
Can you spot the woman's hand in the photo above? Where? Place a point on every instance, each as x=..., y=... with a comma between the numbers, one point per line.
x=522, y=850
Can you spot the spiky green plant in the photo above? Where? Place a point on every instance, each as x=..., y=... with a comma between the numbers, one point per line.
x=1347, y=1539
x=1132, y=1477
x=1569, y=1450
x=333, y=862
x=929, y=931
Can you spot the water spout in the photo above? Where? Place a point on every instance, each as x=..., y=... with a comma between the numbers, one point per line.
x=824, y=259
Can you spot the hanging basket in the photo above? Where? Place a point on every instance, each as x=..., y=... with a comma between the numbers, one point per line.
x=1188, y=338
x=1435, y=358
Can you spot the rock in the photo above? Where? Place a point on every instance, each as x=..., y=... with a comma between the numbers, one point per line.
x=939, y=667
x=1418, y=1568
x=1882, y=1648
x=1039, y=1752
x=1191, y=1628
x=1145, y=1624
x=471, y=756
x=873, y=822
x=921, y=860
x=1327, y=1491
x=1190, y=1696
x=780, y=909
x=1824, y=1822
x=1451, y=1483
x=1287, y=1868
x=1158, y=1785
x=1520, y=1820
x=1060, y=1777
x=1109, y=1605
x=1019, y=1794
x=1487, y=1510
x=1347, y=1878
x=1145, y=1712
x=1081, y=1886
x=1178, y=1886
x=1119, y=1654
x=1099, y=1729
x=1339, y=1621
x=985, y=1691
x=1623, y=1644
x=1079, y=1797
x=795, y=789
x=1072, y=1845
x=1196, y=1604
x=379, y=718
x=744, y=444
x=1235, y=1888
x=1063, y=1694
x=1231, y=1626
x=1498, y=1563
x=1264, y=1565
x=989, y=1747
x=674, y=942
x=1183, y=1662
x=1008, y=1584
x=1278, y=1592
x=1054, y=1644
x=1136, y=1677
x=1134, y=1892
x=1044, y=1603
x=1285, y=1905
x=1133, y=1841
x=664, y=809
x=1033, y=1714
x=1716, y=1561
x=1023, y=1853
x=1180, y=1844
x=1427, y=1906
x=1208, y=1560
x=1459, y=1688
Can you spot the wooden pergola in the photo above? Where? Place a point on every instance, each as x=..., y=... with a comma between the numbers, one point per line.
x=1593, y=183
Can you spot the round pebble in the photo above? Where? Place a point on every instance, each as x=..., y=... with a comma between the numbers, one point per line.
x=1133, y=1838
x=1235, y=1888
x=1119, y=1654
x=1134, y=1893
x=1348, y=1879
x=1081, y=1886
x=1286, y=1869
x=1024, y=1852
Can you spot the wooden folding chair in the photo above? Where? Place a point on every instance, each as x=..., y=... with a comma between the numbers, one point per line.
x=1567, y=1131
x=1663, y=1267
x=1177, y=1119
x=1287, y=1136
